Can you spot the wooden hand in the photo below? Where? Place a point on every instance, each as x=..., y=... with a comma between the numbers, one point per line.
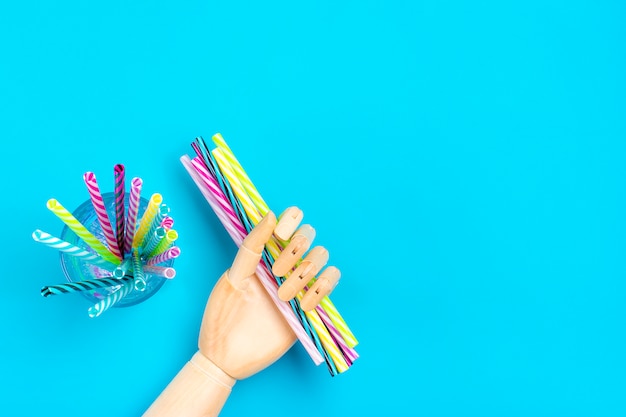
x=242, y=331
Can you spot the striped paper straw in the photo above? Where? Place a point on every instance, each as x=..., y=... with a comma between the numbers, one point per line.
x=119, y=191
x=133, y=209
x=264, y=276
x=111, y=299
x=146, y=220
x=81, y=231
x=85, y=285
x=169, y=239
x=171, y=253
x=66, y=247
x=161, y=271
x=140, y=279
x=101, y=212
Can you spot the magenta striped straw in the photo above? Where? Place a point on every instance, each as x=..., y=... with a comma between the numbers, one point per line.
x=167, y=223
x=133, y=209
x=119, y=192
x=101, y=212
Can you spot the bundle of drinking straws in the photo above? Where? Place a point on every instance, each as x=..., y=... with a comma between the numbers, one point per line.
x=239, y=206
x=117, y=257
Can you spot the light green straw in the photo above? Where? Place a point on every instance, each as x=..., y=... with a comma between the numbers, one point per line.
x=81, y=231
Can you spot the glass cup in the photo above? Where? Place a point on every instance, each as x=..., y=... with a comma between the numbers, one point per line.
x=76, y=269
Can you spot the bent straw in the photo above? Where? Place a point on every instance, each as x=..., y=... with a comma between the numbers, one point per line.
x=81, y=231
x=85, y=285
x=69, y=249
x=212, y=193
x=263, y=208
x=101, y=212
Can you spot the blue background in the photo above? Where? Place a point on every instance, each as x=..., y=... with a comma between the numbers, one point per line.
x=464, y=162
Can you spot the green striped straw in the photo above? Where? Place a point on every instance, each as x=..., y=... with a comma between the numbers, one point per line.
x=81, y=231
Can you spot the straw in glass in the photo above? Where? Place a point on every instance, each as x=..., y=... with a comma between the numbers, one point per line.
x=101, y=212
x=84, y=285
x=81, y=231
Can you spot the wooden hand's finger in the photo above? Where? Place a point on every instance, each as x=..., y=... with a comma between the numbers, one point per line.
x=288, y=222
x=325, y=283
x=300, y=243
x=308, y=268
x=249, y=254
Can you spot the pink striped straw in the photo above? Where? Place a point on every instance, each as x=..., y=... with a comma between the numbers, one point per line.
x=171, y=253
x=237, y=233
x=133, y=208
x=220, y=198
x=167, y=223
x=101, y=212
x=119, y=192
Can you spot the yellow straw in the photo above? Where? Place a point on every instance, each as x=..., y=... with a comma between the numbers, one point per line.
x=243, y=182
x=81, y=231
x=240, y=173
x=146, y=220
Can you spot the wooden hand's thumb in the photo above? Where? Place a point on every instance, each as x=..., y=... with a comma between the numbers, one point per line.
x=249, y=254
